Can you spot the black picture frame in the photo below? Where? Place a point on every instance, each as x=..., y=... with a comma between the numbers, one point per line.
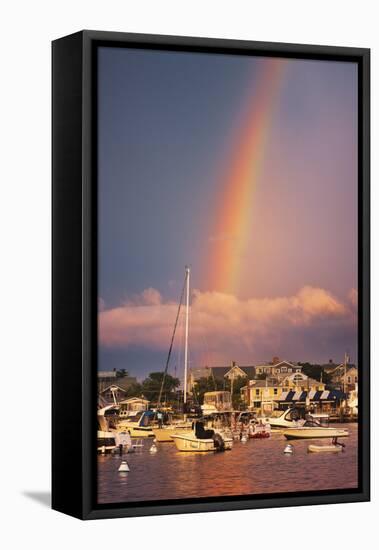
x=74, y=272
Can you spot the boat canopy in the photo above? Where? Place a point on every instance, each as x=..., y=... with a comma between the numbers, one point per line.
x=326, y=395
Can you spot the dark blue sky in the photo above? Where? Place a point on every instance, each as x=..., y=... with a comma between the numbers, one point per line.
x=167, y=124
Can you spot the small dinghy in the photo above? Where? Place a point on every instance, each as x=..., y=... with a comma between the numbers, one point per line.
x=335, y=447
x=324, y=448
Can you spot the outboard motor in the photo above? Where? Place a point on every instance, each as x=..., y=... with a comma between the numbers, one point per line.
x=218, y=442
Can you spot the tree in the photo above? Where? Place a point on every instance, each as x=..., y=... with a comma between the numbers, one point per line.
x=206, y=384
x=313, y=371
x=134, y=390
x=151, y=386
x=122, y=372
x=238, y=383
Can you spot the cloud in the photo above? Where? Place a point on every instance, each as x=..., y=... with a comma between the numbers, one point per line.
x=224, y=327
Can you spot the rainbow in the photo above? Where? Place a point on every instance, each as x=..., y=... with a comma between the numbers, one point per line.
x=232, y=224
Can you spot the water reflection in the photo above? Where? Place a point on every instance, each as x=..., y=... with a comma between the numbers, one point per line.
x=257, y=467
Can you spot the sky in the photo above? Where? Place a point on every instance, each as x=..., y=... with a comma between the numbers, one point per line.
x=245, y=169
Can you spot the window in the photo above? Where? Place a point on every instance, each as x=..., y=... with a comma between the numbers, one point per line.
x=256, y=392
x=348, y=380
x=275, y=391
x=355, y=378
x=289, y=370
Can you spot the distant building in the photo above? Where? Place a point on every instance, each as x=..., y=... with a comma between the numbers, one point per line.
x=259, y=395
x=232, y=372
x=119, y=379
x=113, y=393
x=263, y=396
x=279, y=369
x=344, y=377
x=299, y=381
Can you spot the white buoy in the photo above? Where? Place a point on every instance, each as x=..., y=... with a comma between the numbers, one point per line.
x=124, y=467
x=288, y=449
x=153, y=448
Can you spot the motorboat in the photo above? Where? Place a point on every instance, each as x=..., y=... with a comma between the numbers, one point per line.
x=259, y=430
x=165, y=433
x=324, y=448
x=294, y=417
x=310, y=430
x=202, y=440
x=136, y=424
x=106, y=442
x=217, y=401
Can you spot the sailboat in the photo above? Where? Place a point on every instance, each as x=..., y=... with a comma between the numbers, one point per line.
x=166, y=431
x=194, y=437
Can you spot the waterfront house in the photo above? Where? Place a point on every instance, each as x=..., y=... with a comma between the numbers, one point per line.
x=259, y=395
x=301, y=382
x=113, y=393
x=344, y=377
x=114, y=377
x=263, y=396
x=222, y=374
x=278, y=369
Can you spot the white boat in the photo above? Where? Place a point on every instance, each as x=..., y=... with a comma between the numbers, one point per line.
x=324, y=448
x=202, y=440
x=106, y=441
x=136, y=424
x=217, y=401
x=189, y=442
x=109, y=440
x=293, y=417
x=165, y=433
x=314, y=432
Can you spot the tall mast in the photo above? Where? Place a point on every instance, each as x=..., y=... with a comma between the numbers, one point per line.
x=186, y=335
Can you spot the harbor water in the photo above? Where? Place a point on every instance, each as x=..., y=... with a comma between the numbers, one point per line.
x=258, y=466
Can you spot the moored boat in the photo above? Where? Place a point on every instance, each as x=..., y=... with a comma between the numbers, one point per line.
x=310, y=432
x=136, y=424
x=324, y=448
x=201, y=440
x=106, y=441
x=164, y=434
x=259, y=431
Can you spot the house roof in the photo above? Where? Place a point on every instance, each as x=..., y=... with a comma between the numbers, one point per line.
x=219, y=372
x=275, y=365
x=262, y=384
x=326, y=395
x=116, y=386
x=133, y=400
x=107, y=374
x=306, y=379
x=123, y=382
x=341, y=367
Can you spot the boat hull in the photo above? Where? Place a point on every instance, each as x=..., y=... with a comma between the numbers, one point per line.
x=135, y=431
x=189, y=443
x=314, y=433
x=164, y=435
x=324, y=449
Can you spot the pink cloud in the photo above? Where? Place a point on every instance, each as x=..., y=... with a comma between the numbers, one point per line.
x=223, y=326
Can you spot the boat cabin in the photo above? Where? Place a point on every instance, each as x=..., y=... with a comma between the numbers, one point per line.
x=217, y=401
x=133, y=404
